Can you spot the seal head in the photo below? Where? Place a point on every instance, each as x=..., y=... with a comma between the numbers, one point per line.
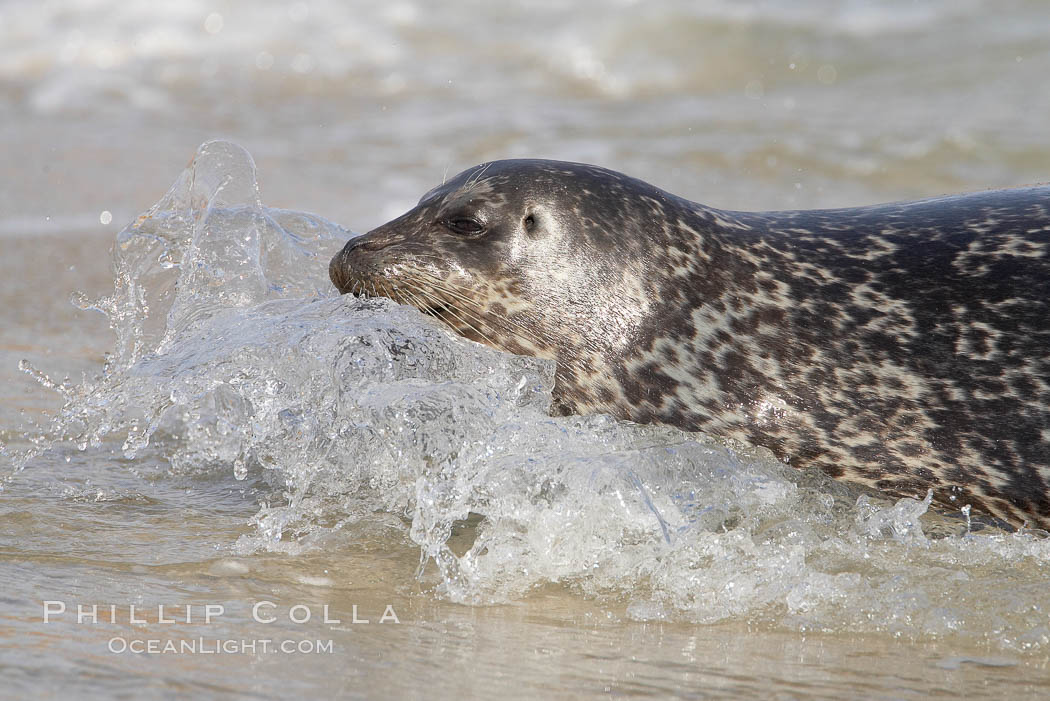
x=531, y=258
x=900, y=346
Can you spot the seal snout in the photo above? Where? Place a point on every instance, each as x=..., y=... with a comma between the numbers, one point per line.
x=341, y=268
x=336, y=269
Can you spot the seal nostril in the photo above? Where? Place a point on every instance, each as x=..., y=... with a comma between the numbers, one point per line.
x=367, y=242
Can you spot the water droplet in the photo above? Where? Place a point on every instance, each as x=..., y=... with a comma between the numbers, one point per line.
x=264, y=61
x=213, y=23
x=827, y=74
x=80, y=300
x=303, y=63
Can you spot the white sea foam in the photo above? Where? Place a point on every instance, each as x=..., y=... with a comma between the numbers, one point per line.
x=764, y=105
x=108, y=54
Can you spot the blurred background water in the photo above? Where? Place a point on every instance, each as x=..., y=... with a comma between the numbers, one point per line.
x=351, y=111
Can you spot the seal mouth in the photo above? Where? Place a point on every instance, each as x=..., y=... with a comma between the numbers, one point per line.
x=363, y=289
x=439, y=310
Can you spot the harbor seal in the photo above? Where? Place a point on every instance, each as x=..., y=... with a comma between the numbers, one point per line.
x=901, y=346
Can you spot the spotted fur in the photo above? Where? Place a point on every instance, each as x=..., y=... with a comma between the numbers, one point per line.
x=902, y=346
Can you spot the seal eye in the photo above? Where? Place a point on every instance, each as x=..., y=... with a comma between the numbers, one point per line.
x=465, y=226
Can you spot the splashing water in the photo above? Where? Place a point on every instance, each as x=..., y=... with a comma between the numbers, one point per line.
x=234, y=354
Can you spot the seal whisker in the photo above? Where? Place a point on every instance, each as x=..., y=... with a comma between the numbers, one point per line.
x=448, y=284
x=413, y=300
x=511, y=325
x=453, y=306
x=447, y=309
x=457, y=293
x=473, y=181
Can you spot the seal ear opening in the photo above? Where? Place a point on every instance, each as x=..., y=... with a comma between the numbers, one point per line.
x=529, y=222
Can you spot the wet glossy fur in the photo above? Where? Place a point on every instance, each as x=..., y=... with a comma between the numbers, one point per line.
x=902, y=346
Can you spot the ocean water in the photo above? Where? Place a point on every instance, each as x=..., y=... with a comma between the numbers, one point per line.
x=229, y=468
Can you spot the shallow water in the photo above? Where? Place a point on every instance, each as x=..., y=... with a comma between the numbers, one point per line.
x=242, y=437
